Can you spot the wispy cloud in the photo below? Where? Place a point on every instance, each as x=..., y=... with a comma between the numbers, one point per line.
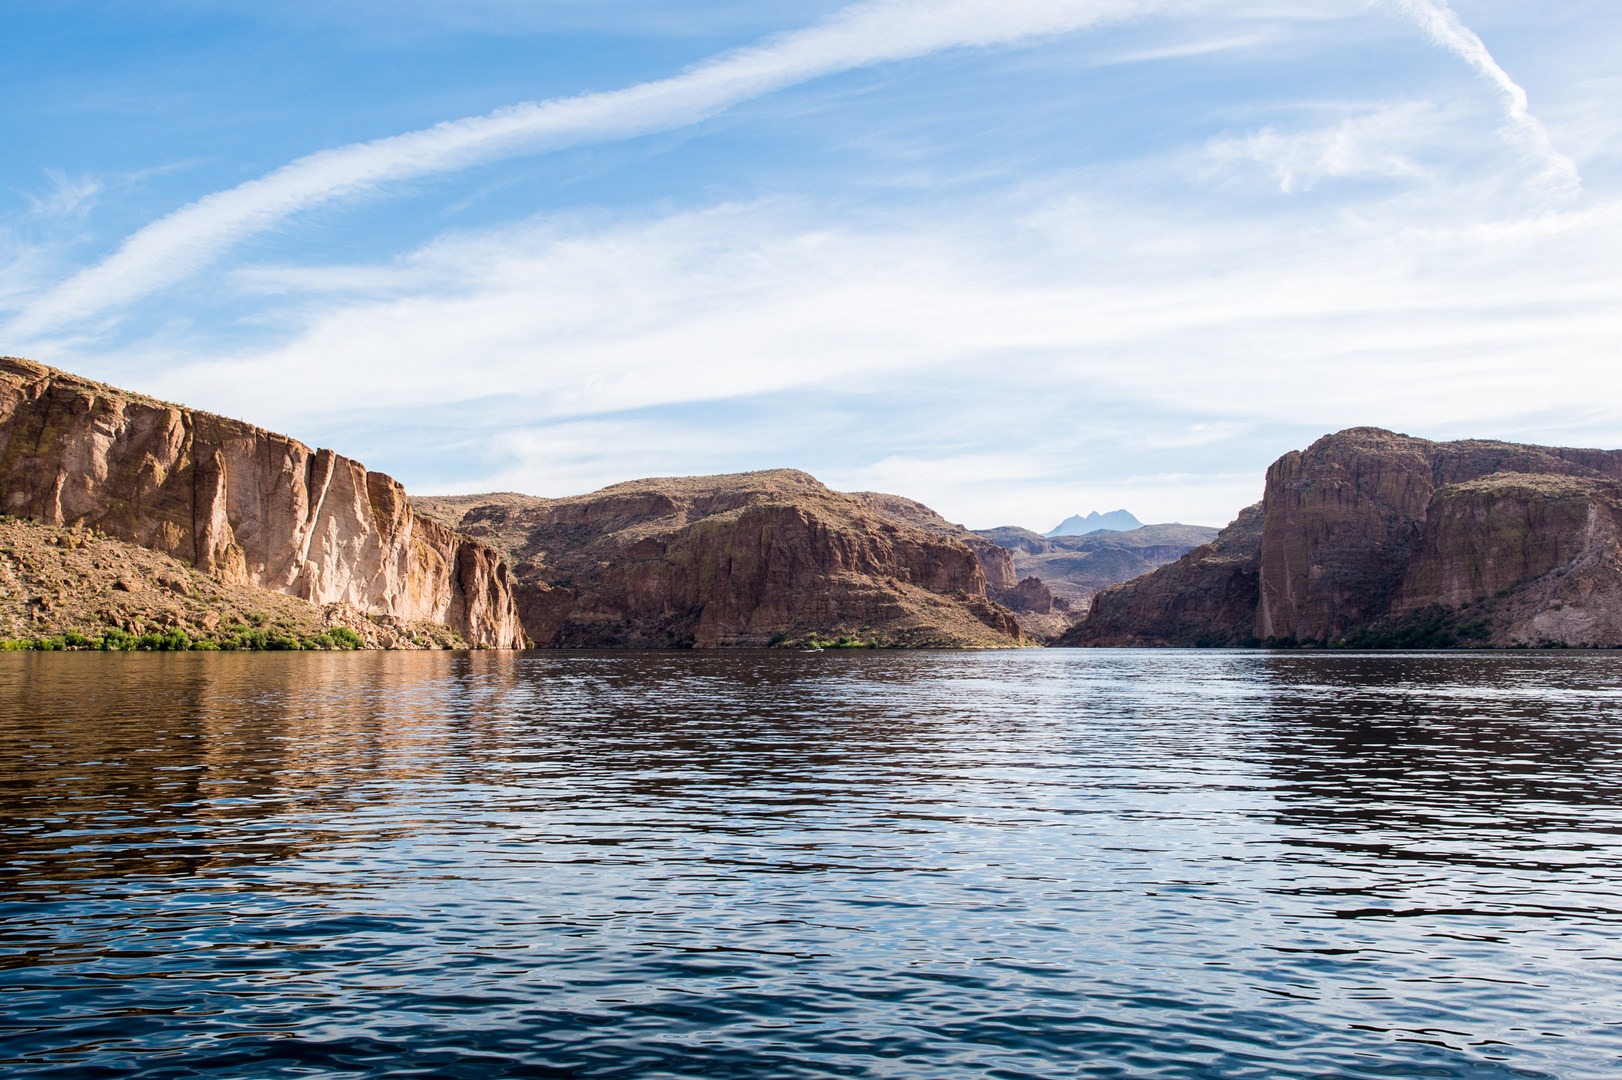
x=861, y=35
x=65, y=197
x=995, y=337
x=1383, y=143
x=1443, y=25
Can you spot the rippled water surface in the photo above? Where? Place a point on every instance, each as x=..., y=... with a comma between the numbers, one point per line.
x=941, y=865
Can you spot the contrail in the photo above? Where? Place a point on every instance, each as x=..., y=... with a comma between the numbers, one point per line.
x=1443, y=25
x=177, y=246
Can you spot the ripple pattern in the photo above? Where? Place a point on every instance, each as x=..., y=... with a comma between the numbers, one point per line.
x=764, y=864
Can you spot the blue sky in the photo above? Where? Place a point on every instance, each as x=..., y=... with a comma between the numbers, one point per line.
x=1014, y=258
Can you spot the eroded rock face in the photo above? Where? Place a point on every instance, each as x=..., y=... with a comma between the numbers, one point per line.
x=240, y=503
x=1492, y=535
x=996, y=561
x=1206, y=598
x=750, y=559
x=1339, y=519
x=1030, y=595
x=1367, y=531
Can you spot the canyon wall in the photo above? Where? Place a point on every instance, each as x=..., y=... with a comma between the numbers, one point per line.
x=240, y=503
x=1368, y=536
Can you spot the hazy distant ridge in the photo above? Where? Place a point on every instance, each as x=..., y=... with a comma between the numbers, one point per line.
x=1114, y=521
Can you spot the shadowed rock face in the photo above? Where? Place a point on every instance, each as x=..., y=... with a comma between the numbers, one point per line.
x=1493, y=534
x=1207, y=597
x=731, y=560
x=243, y=504
x=1367, y=528
x=1339, y=520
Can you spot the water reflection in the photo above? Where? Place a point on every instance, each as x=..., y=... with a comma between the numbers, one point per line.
x=175, y=765
x=912, y=865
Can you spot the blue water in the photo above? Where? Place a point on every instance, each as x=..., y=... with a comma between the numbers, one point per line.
x=920, y=865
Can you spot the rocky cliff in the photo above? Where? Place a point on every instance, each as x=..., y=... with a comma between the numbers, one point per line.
x=1370, y=537
x=1041, y=615
x=241, y=504
x=62, y=585
x=752, y=559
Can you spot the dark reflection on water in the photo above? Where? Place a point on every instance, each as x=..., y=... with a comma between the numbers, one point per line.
x=1033, y=864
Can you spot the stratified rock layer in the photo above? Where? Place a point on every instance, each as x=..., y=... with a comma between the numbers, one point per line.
x=242, y=504
x=752, y=559
x=1367, y=533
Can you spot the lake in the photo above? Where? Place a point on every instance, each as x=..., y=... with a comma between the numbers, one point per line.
x=780, y=864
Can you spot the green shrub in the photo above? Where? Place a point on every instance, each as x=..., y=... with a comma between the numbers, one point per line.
x=249, y=639
x=1433, y=627
x=345, y=638
x=116, y=640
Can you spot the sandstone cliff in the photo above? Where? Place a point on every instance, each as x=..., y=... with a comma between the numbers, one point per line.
x=1370, y=537
x=752, y=559
x=241, y=504
x=58, y=582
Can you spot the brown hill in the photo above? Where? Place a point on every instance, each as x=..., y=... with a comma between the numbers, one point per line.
x=241, y=504
x=750, y=559
x=1373, y=538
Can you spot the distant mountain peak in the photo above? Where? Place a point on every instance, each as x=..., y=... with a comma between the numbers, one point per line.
x=1114, y=521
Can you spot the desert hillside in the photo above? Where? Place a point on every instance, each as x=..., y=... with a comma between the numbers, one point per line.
x=756, y=558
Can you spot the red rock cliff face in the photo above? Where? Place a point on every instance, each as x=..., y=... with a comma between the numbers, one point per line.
x=996, y=561
x=243, y=504
x=1535, y=556
x=1338, y=520
x=1494, y=534
x=1366, y=523
x=731, y=560
x=1365, y=527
